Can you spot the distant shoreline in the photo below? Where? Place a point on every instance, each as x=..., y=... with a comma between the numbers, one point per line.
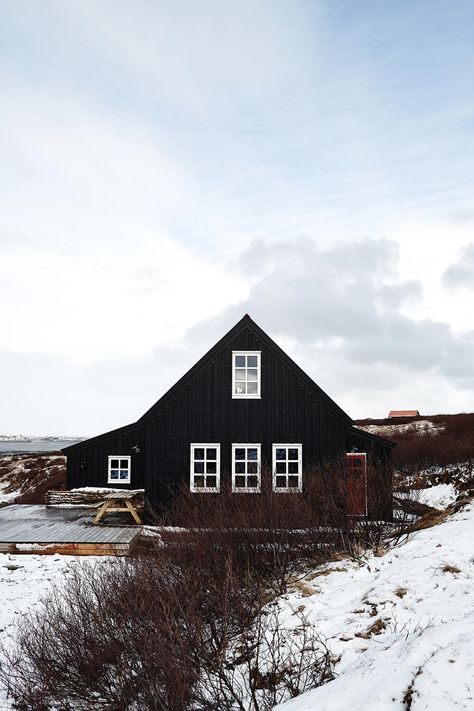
x=50, y=444
x=13, y=439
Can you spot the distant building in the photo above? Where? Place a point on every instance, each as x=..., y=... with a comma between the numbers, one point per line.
x=403, y=413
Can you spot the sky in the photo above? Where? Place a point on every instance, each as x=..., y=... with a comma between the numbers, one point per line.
x=166, y=167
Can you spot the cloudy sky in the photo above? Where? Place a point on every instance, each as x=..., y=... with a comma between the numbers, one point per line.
x=167, y=166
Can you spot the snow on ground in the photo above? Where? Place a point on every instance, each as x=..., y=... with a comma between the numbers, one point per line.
x=6, y=498
x=24, y=579
x=419, y=427
x=402, y=624
x=27, y=474
x=439, y=496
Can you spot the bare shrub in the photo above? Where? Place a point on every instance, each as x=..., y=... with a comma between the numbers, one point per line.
x=184, y=628
x=451, y=445
x=31, y=475
x=265, y=667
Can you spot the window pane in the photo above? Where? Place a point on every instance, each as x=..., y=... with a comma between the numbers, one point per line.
x=251, y=361
x=124, y=473
x=198, y=454
x=199, y=481
x=240, y=374
x=252, y=388
x=280, y=468
x=240, y=453
x=252, y=374
x=293, y=467
x=211, y=468
x=251, y=467
x=114, y=474
x=240, y=361
x=124, y=464
x=293, y=482
x=252, y=482
x=240, y=467
x=239, y=481
x=280, y=482
x=211, y=482
x=252, y=453
x=292, y=454
x=211, y=453
x=280, y=454
x=114, y=464
x=199, y=467
x=240, y=388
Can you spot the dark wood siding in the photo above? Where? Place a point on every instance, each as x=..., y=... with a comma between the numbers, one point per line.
x=204, y=411
x=87, y=465
x=200, y=408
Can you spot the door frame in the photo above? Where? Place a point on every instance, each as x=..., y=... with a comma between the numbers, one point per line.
x=350, y=455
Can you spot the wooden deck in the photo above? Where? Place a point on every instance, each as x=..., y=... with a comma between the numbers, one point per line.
x=47, y=530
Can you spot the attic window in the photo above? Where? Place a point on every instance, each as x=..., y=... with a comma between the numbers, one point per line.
x=205, y=467
x=287, y=467
x=119, y=469
x=246, y=374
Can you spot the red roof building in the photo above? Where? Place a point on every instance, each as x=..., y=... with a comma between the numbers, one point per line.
x=403, y=413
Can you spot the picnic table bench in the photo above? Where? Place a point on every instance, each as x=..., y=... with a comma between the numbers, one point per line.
x=111, y=504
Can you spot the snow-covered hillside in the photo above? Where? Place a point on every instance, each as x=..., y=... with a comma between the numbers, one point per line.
x=24, y=478
x=420, y=427
x=400, y=625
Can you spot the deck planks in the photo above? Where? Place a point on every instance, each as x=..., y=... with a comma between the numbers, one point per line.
x=62, y=527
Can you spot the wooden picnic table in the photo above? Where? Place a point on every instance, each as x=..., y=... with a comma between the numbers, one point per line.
x=111, y=504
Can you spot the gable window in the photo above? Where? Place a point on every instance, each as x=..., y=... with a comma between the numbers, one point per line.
x=245, y=467
x=287, y=467
x=205, y=467
x=246, y=374
x=120, y=467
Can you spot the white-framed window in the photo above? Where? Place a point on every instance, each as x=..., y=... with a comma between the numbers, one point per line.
x=246, y=468
x=205, y=467
x=120, y=469
x=287, y=467
x=245, y=374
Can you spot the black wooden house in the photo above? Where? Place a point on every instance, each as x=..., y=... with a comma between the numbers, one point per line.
x=244, y=406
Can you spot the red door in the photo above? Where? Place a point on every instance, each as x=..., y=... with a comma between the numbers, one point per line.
x=357, y=484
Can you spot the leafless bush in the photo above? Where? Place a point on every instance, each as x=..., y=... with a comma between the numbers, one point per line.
x=264, y=667
x=453, y=444
x=183, y=629
x=188, y=627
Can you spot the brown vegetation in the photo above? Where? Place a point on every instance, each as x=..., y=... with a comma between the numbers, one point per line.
x=187, y=626
x=451, y=445
x=32, y=475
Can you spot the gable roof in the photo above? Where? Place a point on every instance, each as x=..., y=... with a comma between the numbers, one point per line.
x=249, y=323
x=245, y=323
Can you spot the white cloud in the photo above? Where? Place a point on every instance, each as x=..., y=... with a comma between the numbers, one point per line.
x=167, y=165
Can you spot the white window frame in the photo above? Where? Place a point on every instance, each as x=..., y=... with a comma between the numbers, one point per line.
x=192, y=474
x=287, y=489
x=246, y=396
x=109, y=468
x=247, y=489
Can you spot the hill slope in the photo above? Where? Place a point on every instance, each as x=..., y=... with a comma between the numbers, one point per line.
x=401, y=625
x=25, y=478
